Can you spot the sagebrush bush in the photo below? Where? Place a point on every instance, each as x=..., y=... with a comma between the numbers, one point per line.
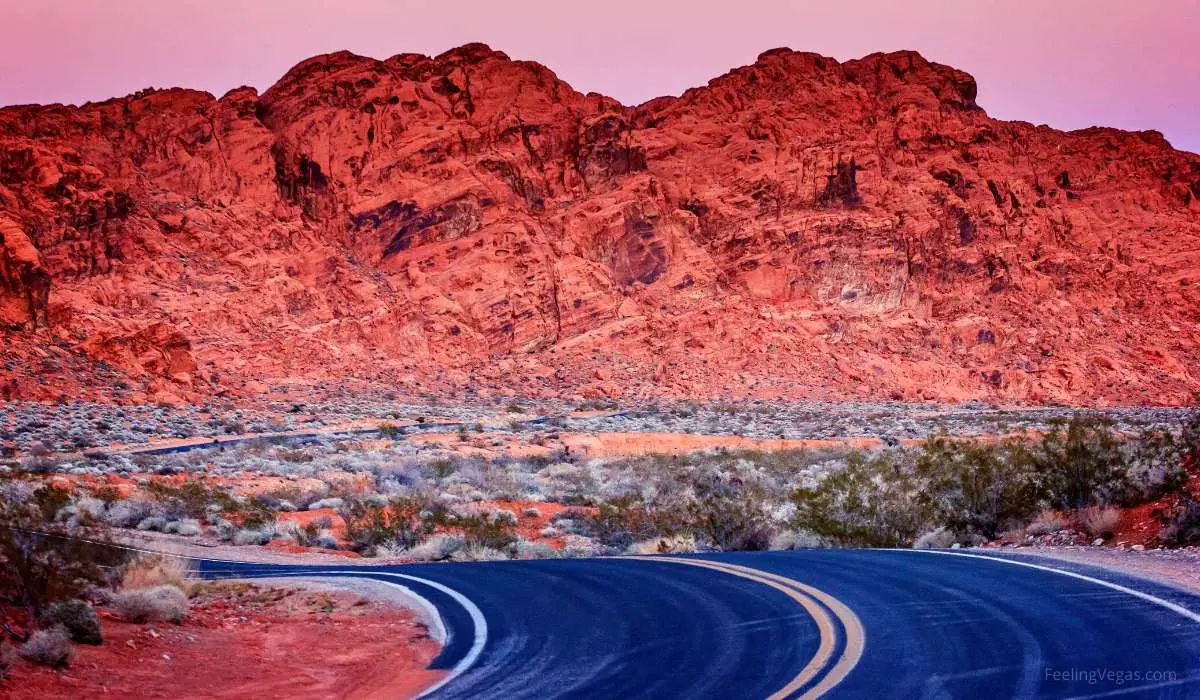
x=940, y=538
x=126, y=513
x=154, y=523
x=49, y=647
x=253, y=536
x=76, y=617
x=523, y=549
x=164, y=603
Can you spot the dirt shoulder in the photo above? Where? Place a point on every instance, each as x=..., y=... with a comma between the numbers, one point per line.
x=1173, y=567
x=244, y=639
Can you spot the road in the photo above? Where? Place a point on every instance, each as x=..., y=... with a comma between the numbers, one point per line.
x=846, y=623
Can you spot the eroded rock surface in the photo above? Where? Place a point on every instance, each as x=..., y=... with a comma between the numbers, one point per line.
x=799, y=227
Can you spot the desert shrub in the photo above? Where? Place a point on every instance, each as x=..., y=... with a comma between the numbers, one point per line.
x=523, y=549
x=1081, y=463
x=809, y=540
x=482, y=531
x=164, y=603
x=726, y=512
x=969, y=486
x=399, y=524
x=1046, y=523
x=253, y=536
x=49, y=500
x=155, y=523
x=1189, y=440
x=190, y=499
x=1183, y=527
x=327, y=503
x=126, y=513
x=940, y=538
x=1155, y=466
x=870, y=503
x=42, y=561
x=531, y=512
x=1100, y=522
x=188, y=527
x=478, y=552
x=442, y=468
x=108, y=494
x=8, y=656
x=51, y=647
x=90, y=509
x=312, y=534
x=506, y=517
x=436, y=548
x=76, y=617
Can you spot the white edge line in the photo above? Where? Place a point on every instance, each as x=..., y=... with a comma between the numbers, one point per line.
x=1173, y=607
x=477, y=620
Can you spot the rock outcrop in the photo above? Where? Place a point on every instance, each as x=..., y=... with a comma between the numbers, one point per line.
x=799, y=227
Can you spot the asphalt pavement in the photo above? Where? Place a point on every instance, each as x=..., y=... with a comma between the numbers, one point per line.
x=839, y=623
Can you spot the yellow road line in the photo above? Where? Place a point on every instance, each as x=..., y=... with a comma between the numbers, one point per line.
x=818, y=614
x=856, y=636
x=807, y=596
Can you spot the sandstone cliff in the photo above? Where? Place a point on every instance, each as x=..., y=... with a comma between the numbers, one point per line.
x=799, y=227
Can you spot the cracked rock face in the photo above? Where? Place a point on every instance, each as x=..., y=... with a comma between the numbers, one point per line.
x=799, y=227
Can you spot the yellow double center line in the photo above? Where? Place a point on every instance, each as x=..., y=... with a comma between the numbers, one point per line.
x=808, y=597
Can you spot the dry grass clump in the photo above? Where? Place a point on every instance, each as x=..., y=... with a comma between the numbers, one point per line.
x=50, y=647
x=663, y=545
x=1046, y=523
x=150, y=570
x=165, y=603
x=1100, y=522
x=436, y=548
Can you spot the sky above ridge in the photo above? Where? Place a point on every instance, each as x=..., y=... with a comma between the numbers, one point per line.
x=1132, y=64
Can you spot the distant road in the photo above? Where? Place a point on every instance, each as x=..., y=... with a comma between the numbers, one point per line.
x=846, y=623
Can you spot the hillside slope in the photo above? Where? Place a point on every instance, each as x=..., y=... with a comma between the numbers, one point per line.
x=799, y=227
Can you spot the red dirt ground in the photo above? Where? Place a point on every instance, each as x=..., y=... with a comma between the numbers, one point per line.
x=243, y=641
x=530, y=527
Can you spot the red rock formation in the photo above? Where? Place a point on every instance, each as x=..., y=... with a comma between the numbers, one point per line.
x=798, y=227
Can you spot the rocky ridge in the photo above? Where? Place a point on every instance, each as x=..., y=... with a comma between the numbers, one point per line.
x=468, y=224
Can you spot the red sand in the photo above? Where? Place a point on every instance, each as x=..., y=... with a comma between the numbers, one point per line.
x=266, y=643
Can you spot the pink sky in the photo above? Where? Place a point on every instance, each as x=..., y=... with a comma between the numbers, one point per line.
x=1133, y=64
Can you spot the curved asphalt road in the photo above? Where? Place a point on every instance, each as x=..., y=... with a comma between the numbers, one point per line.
x=849, y=623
